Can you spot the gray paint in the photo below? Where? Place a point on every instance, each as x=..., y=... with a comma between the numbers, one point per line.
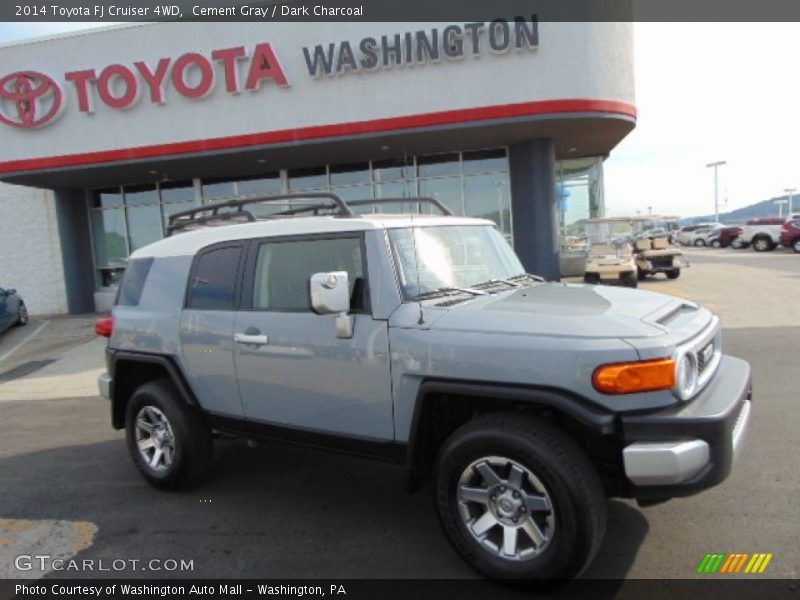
x=76, y=250
x=533, y=206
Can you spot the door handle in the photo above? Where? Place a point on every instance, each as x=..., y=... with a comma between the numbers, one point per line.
x=255, y=339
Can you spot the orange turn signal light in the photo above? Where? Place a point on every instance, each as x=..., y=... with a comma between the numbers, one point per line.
x=633, y=377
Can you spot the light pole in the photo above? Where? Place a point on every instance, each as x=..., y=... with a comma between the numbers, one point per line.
x=716, y=166
x=780, y=204
x=791, y=192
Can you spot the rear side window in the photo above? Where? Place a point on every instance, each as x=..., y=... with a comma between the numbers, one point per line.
x=130, y=291
x=213, y=281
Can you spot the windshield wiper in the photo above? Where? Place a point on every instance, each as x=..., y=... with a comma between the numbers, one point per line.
x=526, y=276
x=492, y=282
x=447, y=290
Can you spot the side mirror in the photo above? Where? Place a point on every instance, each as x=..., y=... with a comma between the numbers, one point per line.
x=330, y=294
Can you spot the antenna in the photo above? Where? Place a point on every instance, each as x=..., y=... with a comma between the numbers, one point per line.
x=421, y=320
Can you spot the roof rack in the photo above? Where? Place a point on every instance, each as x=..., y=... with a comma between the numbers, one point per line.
x=234, y=211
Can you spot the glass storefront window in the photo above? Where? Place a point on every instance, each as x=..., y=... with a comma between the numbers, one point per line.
x=483, y=161
x=308, y=179
x=141, y=195
x=487, y=197
x=350, y=174
x=144, y=225
x=110, y=237
x=107, y=198
x=439, y=165
x=447, y=191
x=393, y=169
x=266, y=185
x=579, y=196
x=213, y=190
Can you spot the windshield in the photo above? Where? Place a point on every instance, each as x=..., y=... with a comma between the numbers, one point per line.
x=452, y=256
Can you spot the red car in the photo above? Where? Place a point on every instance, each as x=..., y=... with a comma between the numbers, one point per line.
x=790, y=235
x=722, y=237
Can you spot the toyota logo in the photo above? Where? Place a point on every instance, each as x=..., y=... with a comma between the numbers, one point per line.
x=29, y=99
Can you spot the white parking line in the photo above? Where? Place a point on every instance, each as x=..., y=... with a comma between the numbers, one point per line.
x=25, y=341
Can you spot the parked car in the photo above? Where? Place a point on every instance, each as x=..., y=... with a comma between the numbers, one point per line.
x=699, y=235
x=684, y=233
x=422, y=341
x=12, y=309
x=762, y=234
x=790, y=234
x=722, y=237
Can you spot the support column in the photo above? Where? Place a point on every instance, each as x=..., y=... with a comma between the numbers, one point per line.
x=533, y=206
x=76, y=251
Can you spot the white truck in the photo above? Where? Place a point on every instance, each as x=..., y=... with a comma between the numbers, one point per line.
x=762, y=234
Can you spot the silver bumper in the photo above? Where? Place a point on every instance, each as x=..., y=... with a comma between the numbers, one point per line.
x=104, y=384
x=670, y=463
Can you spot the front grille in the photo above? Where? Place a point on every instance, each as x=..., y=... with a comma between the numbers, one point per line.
x=704, y=357
x=706, y=349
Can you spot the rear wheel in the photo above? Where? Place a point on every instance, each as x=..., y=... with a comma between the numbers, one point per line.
x=673, y=273
x=641, y=275
x=716, y=244
x=22, y=317
x=796, y=246
x=519, y=499
x=699, y=243
x=169, y=441
x=593, y=278
x=762, y=244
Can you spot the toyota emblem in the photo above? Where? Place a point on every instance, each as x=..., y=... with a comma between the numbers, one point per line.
x=29, y=99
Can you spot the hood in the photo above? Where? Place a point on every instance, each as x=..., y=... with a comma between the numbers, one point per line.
x=561, y=310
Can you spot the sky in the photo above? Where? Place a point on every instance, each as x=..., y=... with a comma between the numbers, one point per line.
x=705, y=92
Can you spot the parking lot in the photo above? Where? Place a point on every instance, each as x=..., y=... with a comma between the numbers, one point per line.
x=68, y=487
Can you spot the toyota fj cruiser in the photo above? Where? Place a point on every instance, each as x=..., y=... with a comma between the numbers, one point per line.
x=421, y=340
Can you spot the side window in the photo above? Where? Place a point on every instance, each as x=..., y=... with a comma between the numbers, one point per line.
x=284, y=268
x=213, y=282
x=130, y=291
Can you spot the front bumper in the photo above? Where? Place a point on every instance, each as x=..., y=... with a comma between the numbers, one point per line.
x=693, y=446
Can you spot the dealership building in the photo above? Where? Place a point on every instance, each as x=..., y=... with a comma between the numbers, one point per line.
x=106, y=133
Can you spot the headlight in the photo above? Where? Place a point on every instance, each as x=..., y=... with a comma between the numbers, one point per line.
x=686, y=376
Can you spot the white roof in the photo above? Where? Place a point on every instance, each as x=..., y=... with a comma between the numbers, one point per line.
x=188, y=243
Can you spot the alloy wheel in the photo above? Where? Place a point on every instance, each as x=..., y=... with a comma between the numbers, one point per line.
x=155, y=438
x=506, y=508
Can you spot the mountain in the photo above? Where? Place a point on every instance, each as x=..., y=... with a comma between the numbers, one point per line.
x=763, y=209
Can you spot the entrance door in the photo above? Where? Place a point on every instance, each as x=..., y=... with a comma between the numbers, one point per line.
x=291, y=368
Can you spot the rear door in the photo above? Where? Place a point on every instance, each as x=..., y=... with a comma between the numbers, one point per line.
x=207, y=322
x=291, y=367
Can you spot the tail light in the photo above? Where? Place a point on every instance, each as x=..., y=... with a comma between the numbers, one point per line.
x=786, y=226
x=104, y=326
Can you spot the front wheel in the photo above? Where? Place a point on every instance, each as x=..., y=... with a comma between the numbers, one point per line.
x=796, y=246
x=699, y=243
x=519, y=499
x=716, y=244
x=673, y=273
x=591, y=278
x=630, y=279
x=169, y=441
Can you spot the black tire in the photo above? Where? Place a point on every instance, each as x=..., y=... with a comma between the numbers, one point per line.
x=641, y=275
x=193, y=445
x=716, y=244
x=762, y=243
x=591, y=278
x=699, y=243
x=673, y=273
x=630, y=279
x=576, y=501
x=22, y=317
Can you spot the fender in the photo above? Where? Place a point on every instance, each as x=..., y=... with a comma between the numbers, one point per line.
x=504, y=397
x=115, y=357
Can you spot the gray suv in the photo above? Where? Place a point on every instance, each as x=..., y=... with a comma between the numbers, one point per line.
x=419, y=339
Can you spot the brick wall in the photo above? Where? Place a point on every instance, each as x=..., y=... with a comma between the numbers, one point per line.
x=30, y=249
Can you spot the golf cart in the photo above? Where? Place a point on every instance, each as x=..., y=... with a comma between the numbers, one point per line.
x=624, y=250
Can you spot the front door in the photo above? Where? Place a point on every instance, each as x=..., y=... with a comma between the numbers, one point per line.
x=291, y=368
